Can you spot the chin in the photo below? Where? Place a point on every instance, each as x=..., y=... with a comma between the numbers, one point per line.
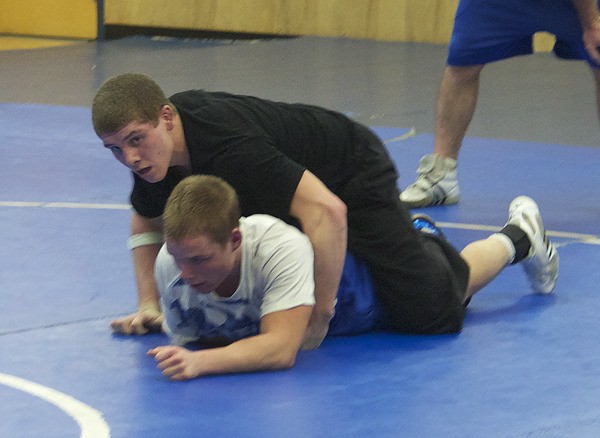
x=152, y=180
x=153, y=177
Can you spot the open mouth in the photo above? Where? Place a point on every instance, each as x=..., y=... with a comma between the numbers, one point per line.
x=144, y=171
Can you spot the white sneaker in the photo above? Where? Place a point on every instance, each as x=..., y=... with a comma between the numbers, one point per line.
x=436, y=183
x=541, y=264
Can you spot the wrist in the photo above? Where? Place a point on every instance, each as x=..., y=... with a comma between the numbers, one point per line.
x=149, y=306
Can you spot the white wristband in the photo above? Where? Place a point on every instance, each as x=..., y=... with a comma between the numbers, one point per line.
x=143, y=239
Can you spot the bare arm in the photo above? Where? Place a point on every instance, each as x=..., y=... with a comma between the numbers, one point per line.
x=323, y=218
x=589, y=16
x=148, y=316
x=274, y=348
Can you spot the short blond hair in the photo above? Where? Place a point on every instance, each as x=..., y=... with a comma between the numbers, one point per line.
x=126, y=98
x=201, y=205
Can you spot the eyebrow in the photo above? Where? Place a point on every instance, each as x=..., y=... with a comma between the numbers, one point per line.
x=126, y=138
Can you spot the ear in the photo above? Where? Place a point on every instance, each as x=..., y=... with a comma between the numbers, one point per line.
x=235, y=238
x=167, y=114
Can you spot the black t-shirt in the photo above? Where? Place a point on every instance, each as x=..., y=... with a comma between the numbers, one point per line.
x=259, y=147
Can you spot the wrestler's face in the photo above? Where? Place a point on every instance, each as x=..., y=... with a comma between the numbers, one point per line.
x=206, y=265
x=144, y=148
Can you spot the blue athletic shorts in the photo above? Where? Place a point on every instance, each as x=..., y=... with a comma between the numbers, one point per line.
x=491, y=30
x=357, y=310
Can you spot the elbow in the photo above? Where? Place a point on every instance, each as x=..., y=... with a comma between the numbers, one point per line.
x=285, y=361
x=330, y=216
x=342, y=212
x=288, y=364
x=338, y=214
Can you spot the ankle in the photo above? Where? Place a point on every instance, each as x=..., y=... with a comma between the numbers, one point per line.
x=519, y=240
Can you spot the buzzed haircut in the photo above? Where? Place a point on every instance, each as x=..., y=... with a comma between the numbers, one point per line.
x=201, y=205
x=126, y=98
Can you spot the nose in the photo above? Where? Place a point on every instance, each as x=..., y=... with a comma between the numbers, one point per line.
x=131, y=157
x=186, y=272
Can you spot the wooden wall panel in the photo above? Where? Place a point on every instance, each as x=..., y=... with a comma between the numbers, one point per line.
x=392, y=20
x=56, y=18
x=261, y=16
x=388, y=20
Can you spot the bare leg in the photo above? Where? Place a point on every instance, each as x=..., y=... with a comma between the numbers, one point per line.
x=596, y=72
x=486, y=259
x=436, y=182
x=456, y=104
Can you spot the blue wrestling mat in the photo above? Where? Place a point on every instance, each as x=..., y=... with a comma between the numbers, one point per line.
x=525, y=365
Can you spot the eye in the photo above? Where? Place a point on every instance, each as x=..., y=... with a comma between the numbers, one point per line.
x=135, y=141
x=198, y=260
x=115, y=150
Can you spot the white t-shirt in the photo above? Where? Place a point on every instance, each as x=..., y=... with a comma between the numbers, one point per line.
x=276, y=274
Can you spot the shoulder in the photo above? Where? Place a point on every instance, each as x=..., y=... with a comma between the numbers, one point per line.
x=165, y=270
x=194, y=100
x=264, y=226
x=269, y=242
x=185, y=97
x=196, y=103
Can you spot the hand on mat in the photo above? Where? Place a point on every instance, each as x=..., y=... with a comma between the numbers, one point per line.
x=176, y=363
x=148, y=319
x=316, y=330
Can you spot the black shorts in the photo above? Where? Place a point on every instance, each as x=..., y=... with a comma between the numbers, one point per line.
x=420, y=280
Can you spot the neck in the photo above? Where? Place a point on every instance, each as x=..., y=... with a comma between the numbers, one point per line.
x=232, y=282
x=181, y=156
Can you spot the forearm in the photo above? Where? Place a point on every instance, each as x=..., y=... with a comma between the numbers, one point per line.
x=143, y=265
x=144, y=258
x=588, y=12
x=275, y=348
x=323, y=218
x=590, y=22
x=329, y=243
x=324, y=221
x=257, y=353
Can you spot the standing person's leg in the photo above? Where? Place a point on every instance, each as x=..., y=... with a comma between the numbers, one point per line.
x=436, y=182
x=484, y=31
x=457, y=100
x=596, y=73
